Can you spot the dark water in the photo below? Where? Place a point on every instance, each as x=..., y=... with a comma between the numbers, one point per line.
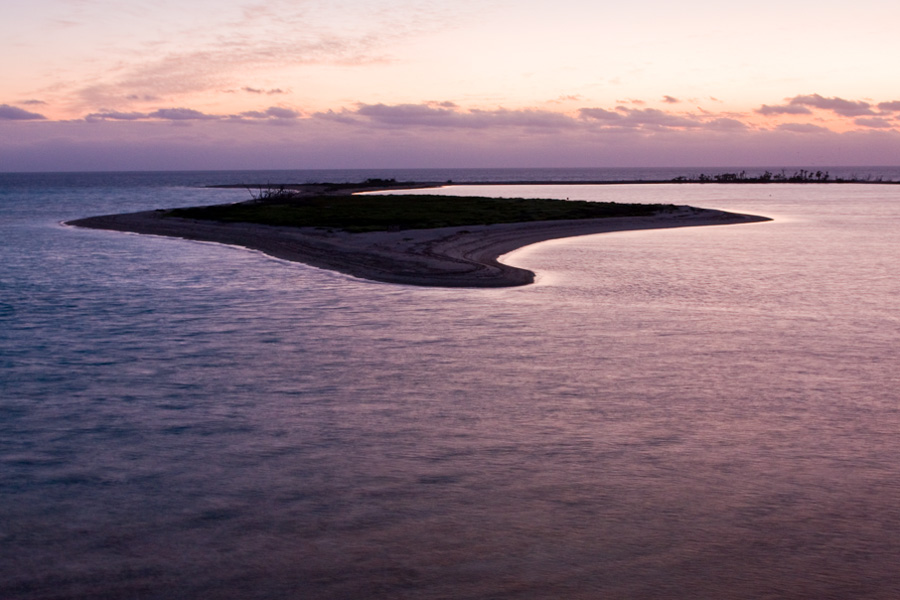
x=696, y=413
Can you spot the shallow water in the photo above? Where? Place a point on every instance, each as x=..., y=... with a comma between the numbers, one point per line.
x=693, y=413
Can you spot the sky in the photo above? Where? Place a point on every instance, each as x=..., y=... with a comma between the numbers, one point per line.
x=231, y=84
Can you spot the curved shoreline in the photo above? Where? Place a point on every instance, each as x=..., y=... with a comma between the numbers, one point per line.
x=446, y=257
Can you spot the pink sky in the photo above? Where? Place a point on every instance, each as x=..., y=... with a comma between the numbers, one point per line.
x=104, y=85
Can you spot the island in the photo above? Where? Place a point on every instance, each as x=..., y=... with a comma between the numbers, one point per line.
x=408, y=238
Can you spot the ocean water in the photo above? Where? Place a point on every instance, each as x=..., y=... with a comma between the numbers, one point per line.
x=694, y=413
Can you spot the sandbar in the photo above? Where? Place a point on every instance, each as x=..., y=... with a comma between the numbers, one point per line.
x=443, y=257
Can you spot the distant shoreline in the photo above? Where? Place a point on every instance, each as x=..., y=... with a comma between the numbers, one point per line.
x=548, y=182
x=460, y=256
x=802, y=177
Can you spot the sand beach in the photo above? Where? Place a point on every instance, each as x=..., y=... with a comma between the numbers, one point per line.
x=442, y=257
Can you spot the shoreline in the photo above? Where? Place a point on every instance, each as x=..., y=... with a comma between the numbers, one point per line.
x=344, y=188
x=444, y=257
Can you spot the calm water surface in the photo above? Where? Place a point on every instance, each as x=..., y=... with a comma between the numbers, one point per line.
x=695, y=413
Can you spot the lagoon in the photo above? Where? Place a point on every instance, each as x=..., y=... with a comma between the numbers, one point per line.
x=691, y=413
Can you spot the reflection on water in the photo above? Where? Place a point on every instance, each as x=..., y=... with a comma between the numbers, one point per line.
x=692, y=413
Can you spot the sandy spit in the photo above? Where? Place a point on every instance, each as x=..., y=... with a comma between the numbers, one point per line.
x=446, y=257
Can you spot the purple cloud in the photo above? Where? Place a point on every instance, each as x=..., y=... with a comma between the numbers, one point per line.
x=874, y=123
x=890, y=106
x=541, y=119
x=599, y=114
x=180, y=114
x=273, y=112
x=786, y=109
x=802, y=128
x=325, y=143
x=448, y=116
x=408, y=114
x=272, y=92
x=278, y=112
x=14, y=113
x=653, y=117
x=845, y=108
x=115, y=116
x=670, y=100
x=440, y=115
x=189, y=114
x=345, y=117
x=638, y=117
x=724, y=124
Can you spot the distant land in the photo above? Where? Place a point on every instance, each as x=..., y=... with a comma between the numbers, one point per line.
x=796, y=176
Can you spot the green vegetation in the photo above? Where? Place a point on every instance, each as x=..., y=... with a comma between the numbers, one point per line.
x=285, y=191
x=801, y=176
x=391, y=213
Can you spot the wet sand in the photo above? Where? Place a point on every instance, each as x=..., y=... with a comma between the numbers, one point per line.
x=445, y=257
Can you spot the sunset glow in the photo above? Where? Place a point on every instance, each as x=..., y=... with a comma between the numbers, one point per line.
x=97, y=84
